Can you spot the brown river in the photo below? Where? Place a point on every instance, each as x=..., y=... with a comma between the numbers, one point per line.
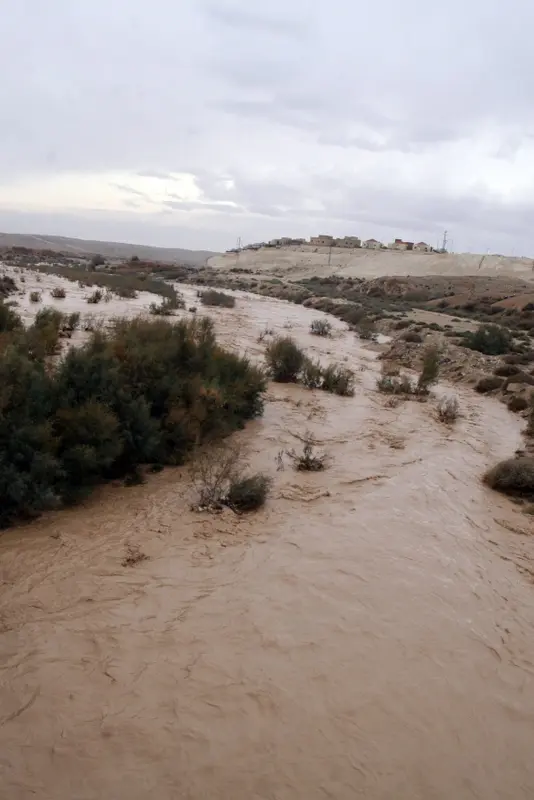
x=370, y=633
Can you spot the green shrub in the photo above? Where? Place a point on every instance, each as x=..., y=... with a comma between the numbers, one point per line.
x=517, y=403
x=311, y=375
x=145, y=392
x=9, y=320
x=126, y=292
x=72, y=322
x=97, y=261
x=412, y=337
x=429, y=370
x=489, y=339
x=365, y=328
x=167, y=306
x=58, y=293
x=284, y=359
x=338, y=380
x=249, y=493
x=488, y=384
x=515, y=476
x=211, y=297
x=95, y=297
x=321, y=327
x=395, y=384
x=35, y=297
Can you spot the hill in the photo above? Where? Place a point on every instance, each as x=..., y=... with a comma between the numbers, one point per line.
x=119, y=250
x=296, y=263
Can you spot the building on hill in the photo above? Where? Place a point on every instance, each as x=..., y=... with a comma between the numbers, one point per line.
x=348, y=241
x=423, y=247
x=399, y=244
x=372, y=244
x=322, y=241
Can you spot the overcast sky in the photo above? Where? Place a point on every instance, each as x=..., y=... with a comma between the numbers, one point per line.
x=193, y=122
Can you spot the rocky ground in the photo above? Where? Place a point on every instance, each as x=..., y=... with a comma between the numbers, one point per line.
x=414, y=310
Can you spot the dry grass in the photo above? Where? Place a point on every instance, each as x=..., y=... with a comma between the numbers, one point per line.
x=218, y=476
x=309, y=460
x=448, y=409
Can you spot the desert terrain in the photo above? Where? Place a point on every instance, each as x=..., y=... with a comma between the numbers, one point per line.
x=368, y=633
x=112, y=250
x=296, y=263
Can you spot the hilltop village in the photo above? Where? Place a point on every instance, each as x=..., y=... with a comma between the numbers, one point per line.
x=348, y=242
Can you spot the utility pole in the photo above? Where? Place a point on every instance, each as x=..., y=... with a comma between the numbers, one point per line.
x=329, y=255
x=444, y=245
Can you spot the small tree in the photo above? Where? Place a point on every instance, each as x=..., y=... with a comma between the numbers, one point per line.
x=489, y=339
x=284, y=359
x=97, y=261
x=430, y=370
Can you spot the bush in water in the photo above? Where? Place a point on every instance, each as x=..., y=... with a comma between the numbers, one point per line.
x=515, y=476
x=145, y=392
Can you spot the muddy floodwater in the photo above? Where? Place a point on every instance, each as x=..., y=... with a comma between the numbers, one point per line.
x=370, y=633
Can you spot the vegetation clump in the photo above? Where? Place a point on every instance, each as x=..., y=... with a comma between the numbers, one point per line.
x=248, y=493
x=144, y=392
x=126, y=292
x=488, y=384
x=515, y=476
x=212, y=297
x=35, y=297
x=311, y=375
x=219, y=478
x=284, y=359
x=338, y=380
x=492, y=340
x=429, y=370
x=517, y=403
x=395, y=384
x=95, y=297
x=321, y=327
x=506, y=370
x=365, y=328
x=401, y=384
x=168, y=306
x=58, y=293
x=448, y=409
x=309, y=460
x=412, y=336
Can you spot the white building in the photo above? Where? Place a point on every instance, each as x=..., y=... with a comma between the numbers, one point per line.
x=372, y=244
x=322, y=241
x=348, y=241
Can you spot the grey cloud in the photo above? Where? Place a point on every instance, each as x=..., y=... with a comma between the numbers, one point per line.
x=131, y=190
x=278, y=112
x=185, y=205
x=154, y=173
x=239, y=16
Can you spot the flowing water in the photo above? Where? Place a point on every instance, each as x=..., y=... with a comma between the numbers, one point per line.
x=368, y=634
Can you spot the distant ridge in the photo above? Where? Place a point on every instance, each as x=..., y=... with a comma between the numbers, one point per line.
x=196, y=258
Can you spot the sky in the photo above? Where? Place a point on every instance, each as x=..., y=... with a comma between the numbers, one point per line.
x=191, y=123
